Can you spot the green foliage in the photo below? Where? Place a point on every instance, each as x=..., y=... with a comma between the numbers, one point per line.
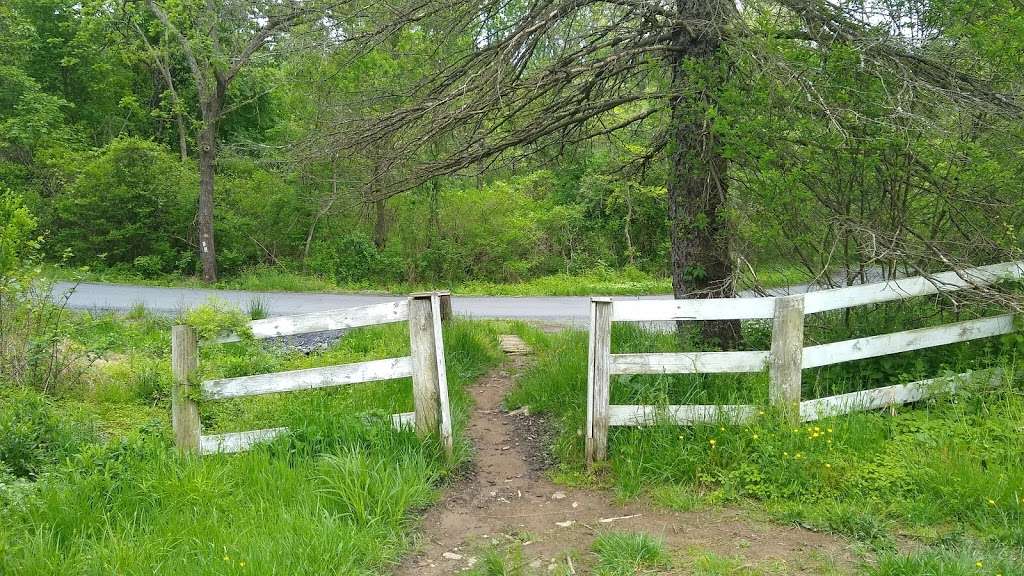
x=628, y=553
x=335, y=495
x=949, y=461
x=35, y=434
x=216, y=318
x=130, y=205
x=17, y=243
x=352, y=258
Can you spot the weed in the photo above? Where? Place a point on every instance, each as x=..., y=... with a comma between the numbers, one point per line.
x=628, y=553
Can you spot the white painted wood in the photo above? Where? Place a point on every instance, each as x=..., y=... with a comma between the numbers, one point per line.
x=589, y=432
x=341, y=319
x=692, y=309
x=882, y=345
x=639, y=415
x=447, y=439
x=597, y=449
x=386, y=369
x=403, y=420
x=894, y=395
x=851, y=296
x=688, y=362
x=237, y=441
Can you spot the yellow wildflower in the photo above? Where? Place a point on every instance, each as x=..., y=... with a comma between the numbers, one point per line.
x=712, y=442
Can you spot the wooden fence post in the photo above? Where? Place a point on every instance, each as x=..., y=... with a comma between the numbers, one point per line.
x=425, y=377
x=437, y=317
x=184, y=410
x=787, y=354
x=599, y=379
x=446, y=305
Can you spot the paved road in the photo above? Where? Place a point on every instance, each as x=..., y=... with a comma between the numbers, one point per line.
x=573, y=310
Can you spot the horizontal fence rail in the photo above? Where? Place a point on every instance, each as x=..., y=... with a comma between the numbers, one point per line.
x=386, y=369
x=425, y=365
x=341, y=319
x=787, y=357
x=688, y=362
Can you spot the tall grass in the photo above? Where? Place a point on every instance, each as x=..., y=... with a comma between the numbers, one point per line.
x=951, y=465
x=334, y=496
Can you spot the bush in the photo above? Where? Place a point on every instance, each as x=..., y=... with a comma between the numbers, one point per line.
x=133, y=200
x=16, y=241
x=351, y=258
x=32, y=434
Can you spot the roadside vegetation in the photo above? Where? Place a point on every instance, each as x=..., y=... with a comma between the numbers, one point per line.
x=90, y=482
x=930, y=488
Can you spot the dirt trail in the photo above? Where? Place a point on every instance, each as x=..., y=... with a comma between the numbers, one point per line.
x=507, y=500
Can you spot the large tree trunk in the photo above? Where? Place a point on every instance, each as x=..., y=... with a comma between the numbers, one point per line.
x=207, y=160
x=380, y=226
x=702, y=263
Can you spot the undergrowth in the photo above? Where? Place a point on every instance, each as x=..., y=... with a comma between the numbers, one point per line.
x=90, y=483
x=948, y=469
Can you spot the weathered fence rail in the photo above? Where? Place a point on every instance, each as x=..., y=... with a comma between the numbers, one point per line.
x=787, y=357
x=425, y=365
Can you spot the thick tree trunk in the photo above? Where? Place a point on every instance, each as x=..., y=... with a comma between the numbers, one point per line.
x=207, y=160
x=702, y=263
x=380, y=226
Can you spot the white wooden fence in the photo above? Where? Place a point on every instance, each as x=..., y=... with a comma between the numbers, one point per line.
x=787, y=357
x=425, y=365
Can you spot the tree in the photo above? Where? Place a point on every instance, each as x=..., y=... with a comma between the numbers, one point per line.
x=513, y=78
x=218, y=39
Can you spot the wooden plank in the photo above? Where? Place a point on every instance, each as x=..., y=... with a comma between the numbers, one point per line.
x=237, y=441
x=447, y=439
x=184, y=410
x=885, y=344
x=688, y=362
x=638, y=415
x=588, y=437
x=386, y=369
x=894, y=395
x=850, y=296
x=425, y=393
x=787, y=354
x=403, y=420
x=601, y=386
x=341, y=319
x=692, y=309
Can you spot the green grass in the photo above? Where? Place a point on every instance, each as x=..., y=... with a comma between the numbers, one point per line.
x=107, y=493
x=628, y=553
x=268, y=279
x=946, y=468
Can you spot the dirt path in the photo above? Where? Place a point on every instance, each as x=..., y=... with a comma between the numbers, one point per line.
x=506, y=502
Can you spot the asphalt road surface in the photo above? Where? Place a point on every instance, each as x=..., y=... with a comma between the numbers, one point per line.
x=566, y=310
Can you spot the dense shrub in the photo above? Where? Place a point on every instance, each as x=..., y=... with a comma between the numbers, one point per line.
x=33, y=435
x=16, y=234
x=352, y=257
x=130, y=205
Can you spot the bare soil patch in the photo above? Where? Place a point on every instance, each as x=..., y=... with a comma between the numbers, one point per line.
x=510, y=500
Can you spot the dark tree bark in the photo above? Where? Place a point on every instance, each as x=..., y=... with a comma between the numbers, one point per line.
x=207, y=169
x=702, y=264
x=380, y=225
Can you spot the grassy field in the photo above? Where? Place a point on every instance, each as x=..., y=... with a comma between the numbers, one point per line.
x=930, y=489
x=265, y=279
x=90, y=483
